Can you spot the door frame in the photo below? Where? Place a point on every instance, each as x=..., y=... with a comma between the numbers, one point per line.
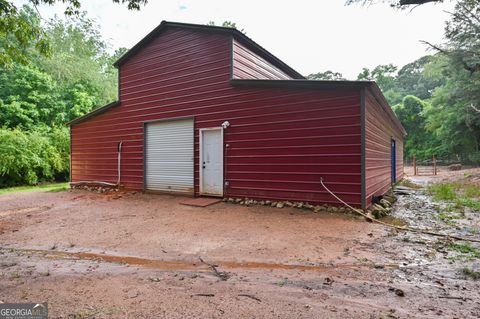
x=200, y=159
x=144, y=154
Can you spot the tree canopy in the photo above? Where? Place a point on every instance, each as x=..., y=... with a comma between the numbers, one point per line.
x=20, y=31
x=39, y=95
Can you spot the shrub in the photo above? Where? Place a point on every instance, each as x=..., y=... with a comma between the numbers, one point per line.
x=31, y=157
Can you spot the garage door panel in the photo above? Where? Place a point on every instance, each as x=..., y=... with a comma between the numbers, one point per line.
x=169, y=156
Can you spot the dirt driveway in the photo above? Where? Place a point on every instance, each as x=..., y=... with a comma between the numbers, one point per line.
x=127, y=255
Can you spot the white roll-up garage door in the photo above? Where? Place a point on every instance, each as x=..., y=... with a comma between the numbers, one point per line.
x=169, y=156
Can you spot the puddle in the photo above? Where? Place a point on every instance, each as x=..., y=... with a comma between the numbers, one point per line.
x=185, y=265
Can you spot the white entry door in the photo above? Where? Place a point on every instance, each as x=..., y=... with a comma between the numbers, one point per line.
x=211, y=162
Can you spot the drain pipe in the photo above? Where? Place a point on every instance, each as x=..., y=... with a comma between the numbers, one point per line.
x=119, y=157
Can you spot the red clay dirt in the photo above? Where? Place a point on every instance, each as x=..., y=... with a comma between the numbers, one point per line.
x=133, y=255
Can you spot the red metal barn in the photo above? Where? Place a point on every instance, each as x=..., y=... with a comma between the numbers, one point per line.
x=206, y=111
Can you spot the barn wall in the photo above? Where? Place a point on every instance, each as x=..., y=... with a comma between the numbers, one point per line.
x=379, y=130
x=248, y=65
x=280, y=142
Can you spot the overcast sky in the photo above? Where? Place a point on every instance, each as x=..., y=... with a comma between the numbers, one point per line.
x=309, y=35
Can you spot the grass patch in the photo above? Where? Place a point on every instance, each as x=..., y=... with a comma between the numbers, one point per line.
x=443, y=191
x=461, y=194
x=468, y=202
x=471, y=191
x=50, y=187
x=470, y=273
x=466, y=250
x=449, y=218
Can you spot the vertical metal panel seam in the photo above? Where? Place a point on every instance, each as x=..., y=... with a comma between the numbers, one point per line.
x=118, y=84
x=231, y=57
x=363, y=146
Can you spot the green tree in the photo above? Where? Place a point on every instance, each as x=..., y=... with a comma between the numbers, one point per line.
x=326, y=76
x=411, y=113
x=18, y=31
x=28, y=97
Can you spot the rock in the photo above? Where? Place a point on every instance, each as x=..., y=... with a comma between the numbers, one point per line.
x=385, y=203
x=267, y=202
x=308, y=206
x=238, y=200
x=300, y=205
x=288, y=204
x=280, y=205
x=390, y=199
x=273, y=204
x=369, y=217
x=398, y=292
x=231, y=200
x=317, y=209
x=331, y=209
x=261, y=202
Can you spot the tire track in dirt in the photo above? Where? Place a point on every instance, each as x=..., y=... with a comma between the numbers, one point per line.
x=189, y=265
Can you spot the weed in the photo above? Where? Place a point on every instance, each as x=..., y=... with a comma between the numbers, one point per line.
x=283, y=282
x=462, y=195
x=113, y=311
x=443, y=191
x=468, y=202
x=449, y=218
x=87, y=313
x=466, y=249
x=471, y=191
x=15, y=275
x=54, y=246
x=467, y=174
x=454, y=207
x=467, y=272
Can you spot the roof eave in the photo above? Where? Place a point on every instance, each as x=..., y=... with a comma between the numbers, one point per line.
x=93, y=113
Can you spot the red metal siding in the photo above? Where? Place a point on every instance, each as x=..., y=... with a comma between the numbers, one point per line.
x=248, y=65
x=280, y=142
x=379, y=130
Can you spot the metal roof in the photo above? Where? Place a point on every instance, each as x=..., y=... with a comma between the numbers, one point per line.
x=213, y=29
x=93, y=113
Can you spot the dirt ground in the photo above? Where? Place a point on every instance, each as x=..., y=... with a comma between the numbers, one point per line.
x=133, y=255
